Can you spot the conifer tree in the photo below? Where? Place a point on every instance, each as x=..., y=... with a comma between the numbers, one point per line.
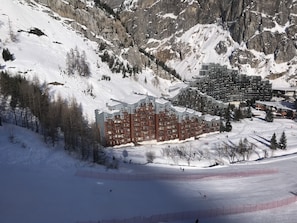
x=269, y=115
x=227, y=112
x=273, y=142
x=283, y=141
x=228, y=126
x=222, y=127
x=237, y=114
x=249, y=112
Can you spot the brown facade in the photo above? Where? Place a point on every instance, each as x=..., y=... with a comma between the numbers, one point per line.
x=191, y=127
x=143, y=123
x=118, y=130
x=151, y=121
x=166, y=126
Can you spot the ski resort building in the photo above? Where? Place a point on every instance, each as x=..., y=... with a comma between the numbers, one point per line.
x=191, y=97
x=228, y=85
x=143, y=117
x=217, y=86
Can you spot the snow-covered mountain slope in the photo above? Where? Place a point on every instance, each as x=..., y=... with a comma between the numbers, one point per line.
x=172, y=37
x=201, y=44
x=44, y=57
x=256, y=37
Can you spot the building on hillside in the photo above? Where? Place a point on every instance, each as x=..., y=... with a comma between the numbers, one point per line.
x=228, y=85
x=143, y=117
x=191, y=97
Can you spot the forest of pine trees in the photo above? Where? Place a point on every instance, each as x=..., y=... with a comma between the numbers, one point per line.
x=27, y=104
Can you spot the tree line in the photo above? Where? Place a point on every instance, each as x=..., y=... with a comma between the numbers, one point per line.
x=161, y=64
x=27, y=104
x=116, y=66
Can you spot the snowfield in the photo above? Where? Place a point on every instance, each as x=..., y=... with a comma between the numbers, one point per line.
x=44, y=184
x=44, y=57
x=40, y=183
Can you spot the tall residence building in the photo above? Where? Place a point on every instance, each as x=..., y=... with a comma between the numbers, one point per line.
x=229, y=85
x=143, y=117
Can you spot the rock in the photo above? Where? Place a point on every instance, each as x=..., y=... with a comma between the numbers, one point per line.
x=241, y=57
x=285, y=51
x=265, y=42
x=221, y=47
x=267, y=26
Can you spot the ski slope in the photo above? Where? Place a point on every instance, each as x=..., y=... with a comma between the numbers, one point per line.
x=44, y=184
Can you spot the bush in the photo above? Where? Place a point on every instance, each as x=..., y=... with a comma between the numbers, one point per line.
x=7, y=55
x=150, y=156
x=36, y=32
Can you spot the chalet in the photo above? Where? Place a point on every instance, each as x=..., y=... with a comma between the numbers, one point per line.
x=280, y=109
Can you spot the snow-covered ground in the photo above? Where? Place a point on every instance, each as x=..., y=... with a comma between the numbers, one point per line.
x=44, y=184
x=39, y=183
x=44, y=57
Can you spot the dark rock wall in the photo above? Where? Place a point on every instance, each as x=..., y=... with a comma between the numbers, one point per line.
x=256, y=23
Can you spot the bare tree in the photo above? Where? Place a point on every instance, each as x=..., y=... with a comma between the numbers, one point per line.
x=12, y=35
x=76, y=62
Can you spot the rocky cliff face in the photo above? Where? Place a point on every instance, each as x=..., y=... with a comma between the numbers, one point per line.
x=103, y=26
x=97, y=25
x=254, y=36
x=264, y=26
x=267, y=27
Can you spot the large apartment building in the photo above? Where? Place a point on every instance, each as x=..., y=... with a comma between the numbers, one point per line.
x=229, y=85
x=143, y=117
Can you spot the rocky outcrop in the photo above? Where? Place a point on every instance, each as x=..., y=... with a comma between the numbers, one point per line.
x=221, y=47
x=265, y=26
x=158, y=20
x=97, y=25
x=100, y=25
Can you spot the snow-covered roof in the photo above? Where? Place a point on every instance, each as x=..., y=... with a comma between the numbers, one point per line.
x=277, y=104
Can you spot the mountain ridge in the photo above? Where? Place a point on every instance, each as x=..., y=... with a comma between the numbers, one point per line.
x=44, y=57
x=146, y=41
x=261, y=33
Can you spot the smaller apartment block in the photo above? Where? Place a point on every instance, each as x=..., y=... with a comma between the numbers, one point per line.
x=191, y=97
x=142, y=118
